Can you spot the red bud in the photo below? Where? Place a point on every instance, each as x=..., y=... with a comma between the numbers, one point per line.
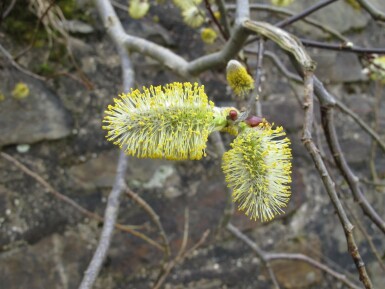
x=233, y=114
x=253, y=121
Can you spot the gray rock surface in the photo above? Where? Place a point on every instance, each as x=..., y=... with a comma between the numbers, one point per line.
x=339, y=15
x=39, y=116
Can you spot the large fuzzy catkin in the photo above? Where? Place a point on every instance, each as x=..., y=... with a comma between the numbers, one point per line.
x=170, y=122
x=258, y=169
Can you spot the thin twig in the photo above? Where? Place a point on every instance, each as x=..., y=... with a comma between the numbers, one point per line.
x=260, y=253
x=17, y=66
x=345, y=47
x=361, y=123
x=282, y=68
x=113, y=202
x=379, y=184
x=36, y=29
x=166, y=269
x=267, y=257
x=215, y=20
x=368, y=238
x=327, y=115
x=373, y=11
x=154, y=217
x=309, y=21
x=224, y=19
x=8, y=10
x=229, y=206
x=170, y=265
x=72, y=203
x=315, y=264
x=183, y=246
x=110, y=216
x=254, y=105
x=376, y=128
x=168, y=58
x=328, y=183
x=304, y=13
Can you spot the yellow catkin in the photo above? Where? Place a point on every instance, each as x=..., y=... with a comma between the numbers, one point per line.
x=208, y=35
x=171, y=122
x=138, y=8
x=20, y=91
x=238, y=78
x=258, y=170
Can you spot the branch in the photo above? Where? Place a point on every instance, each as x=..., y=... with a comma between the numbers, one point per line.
x=327, y=116
x=165, y=56
x=254, y=105
x=328, y=183
x=110, y=215
x=220, y=58
x=154, y=217
x=315, y=264
x=282, y=68
x=224, y=18
x=229, y=206
x=266, y=257
x=345, y=47
x=373, y=11
x=8, y=10
x=310, y=21
x=113, y=202
x=285, y=40
x=72, y=203
x=260, y=253
x=361, y=123
x=183, y=253
x=17, y=66
x=224, y=34
x=368, y=238
x=304, y=13
x=115, y=29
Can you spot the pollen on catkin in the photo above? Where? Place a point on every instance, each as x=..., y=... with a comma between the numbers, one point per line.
x=170, y=122
x=258, y=170
x=238, y=78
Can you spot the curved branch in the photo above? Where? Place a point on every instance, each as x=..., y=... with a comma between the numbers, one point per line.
x=345, y=47
x=373, y=11
x=154, y=216
x=309, y=21
x=304, y=13
x=361, y=123
x=124, y=228
x=110, y=215
x=220, y=58
x=328, y=182
x=165, y=56
x=260, y=253
x=266, y=257
x=327, y=116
